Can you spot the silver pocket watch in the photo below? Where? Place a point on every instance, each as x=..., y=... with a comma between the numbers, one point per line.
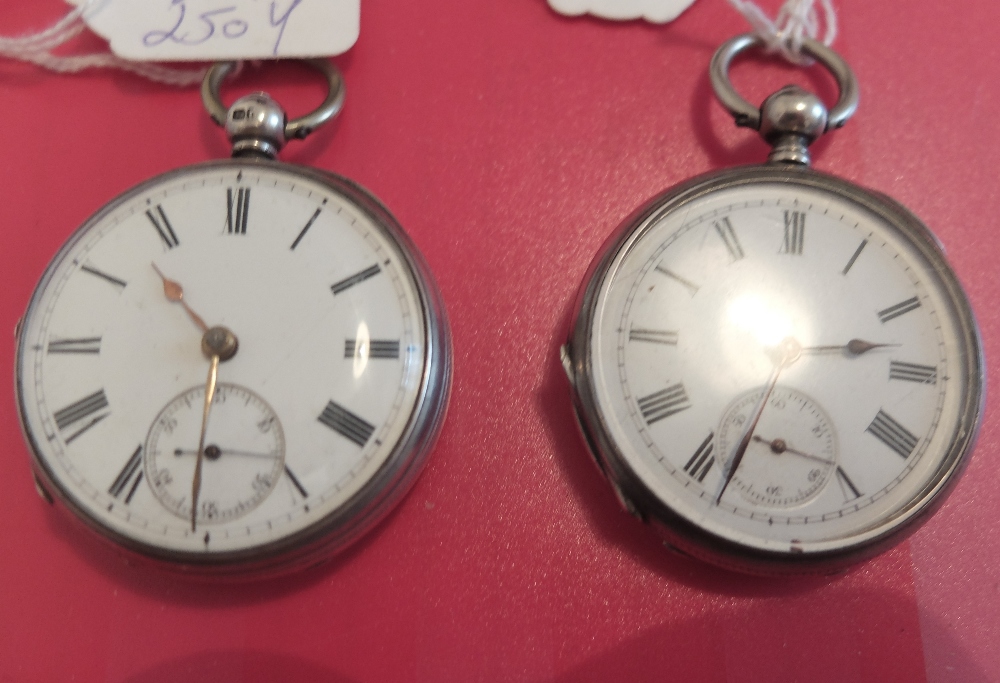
x=775, y=367
x=236, y=367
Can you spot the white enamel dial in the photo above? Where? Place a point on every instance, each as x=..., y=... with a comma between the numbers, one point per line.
x=319, y=422
x=772, y=364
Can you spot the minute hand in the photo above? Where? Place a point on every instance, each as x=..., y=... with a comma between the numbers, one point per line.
x=789, y=349
x=855, y=347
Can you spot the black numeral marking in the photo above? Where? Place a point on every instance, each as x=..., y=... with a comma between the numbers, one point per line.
x=377, y=348
x=162, y=225
x=795, y=233
x=887, y=314
x=346, y=423
x=309, y=224
x=349, y=282
x=237, y=210
x=86, y=407
x=130, y=474
x=702, y=460
x=847, y=486
x=855, y=256
x=893, y=434
x=295, y=482
x=663, y=404
x=691, y=287
x=86, y=345
x=653, y=336
x=728, y=235
x=911, y=372
x=104, y=276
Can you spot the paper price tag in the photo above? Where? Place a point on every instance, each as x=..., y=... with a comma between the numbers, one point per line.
x=210, y=30
x=656, y=11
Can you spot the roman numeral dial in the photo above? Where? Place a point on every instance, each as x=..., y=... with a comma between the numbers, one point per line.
x=232, y=361
x=774, y=364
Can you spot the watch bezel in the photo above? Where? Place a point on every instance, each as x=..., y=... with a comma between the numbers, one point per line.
x=338, y=529
x=640, y=500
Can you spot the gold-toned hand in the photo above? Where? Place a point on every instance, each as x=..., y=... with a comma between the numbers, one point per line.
x=213, y=375
x=855, y=347
x=779, y=446
x=219, y=344
x=175, y=294
x=786, y=353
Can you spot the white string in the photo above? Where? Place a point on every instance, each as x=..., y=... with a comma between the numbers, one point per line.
x=36, y=49
x=796, y=20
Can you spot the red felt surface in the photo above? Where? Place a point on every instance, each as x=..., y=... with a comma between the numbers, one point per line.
x=510, y=142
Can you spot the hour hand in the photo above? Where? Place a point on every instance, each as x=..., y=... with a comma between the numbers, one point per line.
x=175, y=294
x=855, y=347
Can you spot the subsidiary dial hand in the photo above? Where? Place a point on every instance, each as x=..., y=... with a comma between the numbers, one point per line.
x=855, y=347
x=213, y=452
x=175, y=294
x=785, y=354
x=778, y=446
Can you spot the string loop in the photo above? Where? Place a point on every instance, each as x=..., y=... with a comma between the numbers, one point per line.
x=796, y=20
x=36, y=48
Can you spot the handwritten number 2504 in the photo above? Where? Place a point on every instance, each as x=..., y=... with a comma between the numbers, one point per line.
x=208, y=25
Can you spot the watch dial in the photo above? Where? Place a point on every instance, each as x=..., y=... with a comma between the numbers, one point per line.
x=320, y=417
x=782, y=366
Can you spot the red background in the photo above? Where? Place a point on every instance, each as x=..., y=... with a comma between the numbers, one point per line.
x=510, y=141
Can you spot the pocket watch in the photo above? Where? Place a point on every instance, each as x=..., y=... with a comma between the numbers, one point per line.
x=774, y=367
x=236, y=367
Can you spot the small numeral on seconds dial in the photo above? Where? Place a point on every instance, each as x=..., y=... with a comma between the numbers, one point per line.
x=664, y=403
